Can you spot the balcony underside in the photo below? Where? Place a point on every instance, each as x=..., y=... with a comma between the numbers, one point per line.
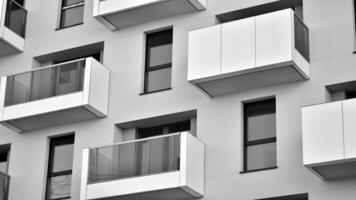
x=50, y=119
x=335, y=170
x=169, y=194
x=249, y=79
x=148, y=13
x=7, y=49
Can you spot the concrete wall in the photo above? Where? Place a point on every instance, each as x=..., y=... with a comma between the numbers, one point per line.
x=219, y=120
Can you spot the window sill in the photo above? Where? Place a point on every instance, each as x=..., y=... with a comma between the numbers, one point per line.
x=258, y=170
x=65, y=27
x=152, y=92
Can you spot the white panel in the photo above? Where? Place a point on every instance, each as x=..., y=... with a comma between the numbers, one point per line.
x=204, y=57
x=238, y=45
x=14, y=39
x=274, y=37
x=84, y=177
x=110, y=6
x=322, y=133
x=183, y=158
x=3, y=4
x=133, y=185
x=195, y=165
x=349, y=111
x=99, y=88
x=42, y=106
x=302, y=64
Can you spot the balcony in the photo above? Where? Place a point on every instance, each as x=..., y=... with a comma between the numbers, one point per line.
x=54, y=95
x=116, y=14
x=4, y=186
x=12, y=27
x=329, y=139
x=250, y=53
x=166, y=167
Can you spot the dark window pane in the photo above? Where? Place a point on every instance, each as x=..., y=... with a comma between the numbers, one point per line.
x=150, y=132
x=70, y=2
x=16, y=18
x=159, y=79
x=3, y=162
x=43, y=83
x=63, y=157
x=261, y=156
x=301, y=38
x=261, y=126
x=72, y=16
x=4, y=186
x=160, y=55
x=60, y=186
x=179, y=127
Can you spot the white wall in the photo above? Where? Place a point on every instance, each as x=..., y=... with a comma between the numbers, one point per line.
x=219, y=121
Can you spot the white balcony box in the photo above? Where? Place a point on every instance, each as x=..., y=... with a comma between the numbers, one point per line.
x=59, y=94
x=159, y=168
x=12, y=27
x=116, y=14
x=249, y=53
x=329, y=139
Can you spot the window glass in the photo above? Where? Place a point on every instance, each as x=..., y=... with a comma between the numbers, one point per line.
x=72, y=16
x=160, y=55
x=261, y=156
x=3, y=162
x=260, y=135
x=261, y=126
x=158, y=67
x=63, y=157
x=60, y=186
x=159, y=79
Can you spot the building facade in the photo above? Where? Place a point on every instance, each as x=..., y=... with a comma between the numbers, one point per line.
x=177, y=99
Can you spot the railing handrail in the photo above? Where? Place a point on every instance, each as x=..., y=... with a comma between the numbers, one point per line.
x=47, y=67
x=139, y=140
x=19, y=5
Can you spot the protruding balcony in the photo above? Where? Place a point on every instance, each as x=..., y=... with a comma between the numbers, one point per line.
x=12, y=27
x=161, y=168
x=250, y=53
x=117, y=14
x=329, y=139
x=54, y=95
x=4, y=186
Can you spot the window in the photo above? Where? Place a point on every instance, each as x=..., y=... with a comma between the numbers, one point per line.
x=165, y=129
x=158, y=67
x=4, y=158
x=260, y=135
x=291, y=197
x=60, y=168
x=72, y=13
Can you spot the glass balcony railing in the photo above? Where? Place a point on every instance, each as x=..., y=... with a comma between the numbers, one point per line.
x=4, y=186
x=45, y=82
x=301, y=33
x=136, y=158
x=16, y=16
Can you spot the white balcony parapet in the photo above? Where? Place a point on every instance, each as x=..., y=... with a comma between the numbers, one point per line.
x=250, y=53
x=329, y=139
x=59, y=94
x=12, y=27
x=164, y=167
x=116, y=14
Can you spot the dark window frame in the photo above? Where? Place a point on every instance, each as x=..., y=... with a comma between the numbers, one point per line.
x=57, y=141
x=164, y=128
x=148, y=68
x=247, y=143
x=68, y=7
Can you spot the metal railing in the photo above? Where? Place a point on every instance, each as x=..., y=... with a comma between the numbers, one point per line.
x=4, y=186
x=45, y=82
x=301, y=34
x=16, y=16
x=136, y=158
